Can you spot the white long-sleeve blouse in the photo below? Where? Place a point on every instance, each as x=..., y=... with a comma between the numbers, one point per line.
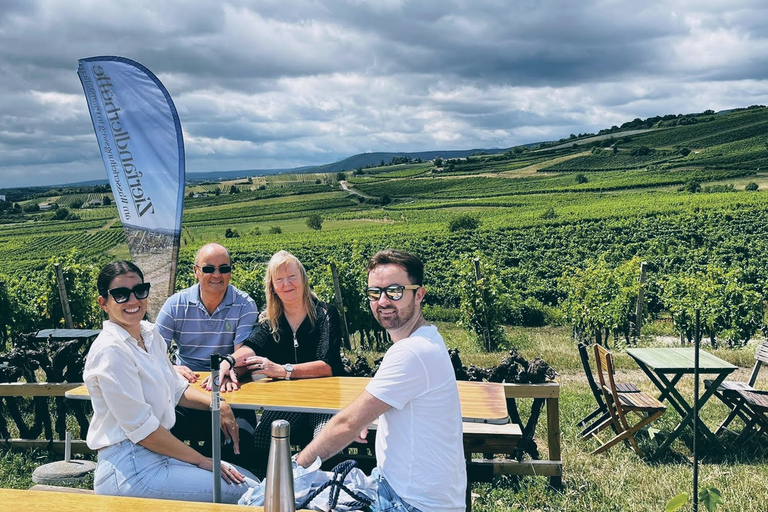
x=132, y=391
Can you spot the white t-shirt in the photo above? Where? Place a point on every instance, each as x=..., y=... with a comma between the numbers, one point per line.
x=419, y=441
x=132, y=391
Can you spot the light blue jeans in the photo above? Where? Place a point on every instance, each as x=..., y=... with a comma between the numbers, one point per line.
x=387, y=499
x=129, y=469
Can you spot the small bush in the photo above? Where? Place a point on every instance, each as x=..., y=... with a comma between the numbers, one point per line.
x=61, y=214
x=751, y=186
x=275, y=230
x=465, y=221
x=315, y=222
x=692, y=187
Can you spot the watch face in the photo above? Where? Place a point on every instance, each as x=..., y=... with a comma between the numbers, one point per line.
x=289, y=367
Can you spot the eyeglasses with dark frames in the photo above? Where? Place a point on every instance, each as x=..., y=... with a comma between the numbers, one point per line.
x=122, y=294
x=210, y=269
x=393, y=291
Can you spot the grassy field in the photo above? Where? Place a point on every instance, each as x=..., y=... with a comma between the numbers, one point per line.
x=617, y=480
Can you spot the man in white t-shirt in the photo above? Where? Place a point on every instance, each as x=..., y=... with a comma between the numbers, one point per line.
x=419, y=449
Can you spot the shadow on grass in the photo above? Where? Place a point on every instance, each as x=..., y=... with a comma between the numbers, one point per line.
x=752, y=450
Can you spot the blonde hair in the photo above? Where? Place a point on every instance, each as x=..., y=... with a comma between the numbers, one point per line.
x=274, y=308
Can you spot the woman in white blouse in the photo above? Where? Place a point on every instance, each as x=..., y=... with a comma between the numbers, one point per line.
x=134, y=391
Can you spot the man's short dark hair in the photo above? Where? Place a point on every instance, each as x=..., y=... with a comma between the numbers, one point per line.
x=410, y=262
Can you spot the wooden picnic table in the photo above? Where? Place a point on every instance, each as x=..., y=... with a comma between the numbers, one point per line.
x=482, y=402
x=486, y=425
x=666, y=366
x=51, y=501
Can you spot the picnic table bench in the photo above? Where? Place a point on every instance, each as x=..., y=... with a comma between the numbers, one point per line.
x=484, y=469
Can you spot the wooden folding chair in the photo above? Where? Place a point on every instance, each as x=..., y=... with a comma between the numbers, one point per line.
x=754, y=403
x=592, y=422
x=729, y=392
x=619, y=404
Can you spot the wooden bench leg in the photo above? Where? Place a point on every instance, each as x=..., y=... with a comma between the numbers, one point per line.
x=553, y=437
x=468, y=494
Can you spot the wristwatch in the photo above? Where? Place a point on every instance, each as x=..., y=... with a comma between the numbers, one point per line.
x=288, y=371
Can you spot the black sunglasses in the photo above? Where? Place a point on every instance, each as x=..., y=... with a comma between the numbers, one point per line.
x=210, y=269
x=393, y=291
x=122, y=294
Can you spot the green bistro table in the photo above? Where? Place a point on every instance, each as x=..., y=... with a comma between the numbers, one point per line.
x=666, y=366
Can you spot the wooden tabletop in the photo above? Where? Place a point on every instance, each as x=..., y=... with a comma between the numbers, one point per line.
x=482, y=402
x=49, y=501
x=679, y=360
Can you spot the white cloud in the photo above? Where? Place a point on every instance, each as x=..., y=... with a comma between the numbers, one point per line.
x=284, y=83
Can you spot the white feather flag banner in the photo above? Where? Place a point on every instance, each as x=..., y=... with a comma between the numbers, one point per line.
x=140, y=139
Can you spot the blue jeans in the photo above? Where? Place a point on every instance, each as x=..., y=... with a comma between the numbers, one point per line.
x=387, y=499
x=129, y=469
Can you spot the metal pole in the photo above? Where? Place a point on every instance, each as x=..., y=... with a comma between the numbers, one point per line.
x=216, y=426
x=697, y=344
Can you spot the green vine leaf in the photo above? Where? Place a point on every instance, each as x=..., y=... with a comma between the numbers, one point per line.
x=711, y=498
x=677, y=502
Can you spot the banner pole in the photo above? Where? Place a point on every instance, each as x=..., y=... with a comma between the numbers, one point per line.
x=216, y=425
x=697, y=346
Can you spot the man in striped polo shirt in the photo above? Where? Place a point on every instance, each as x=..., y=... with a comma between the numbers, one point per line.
x=211, y=316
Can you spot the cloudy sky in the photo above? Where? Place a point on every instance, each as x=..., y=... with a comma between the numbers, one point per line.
x=268, y=84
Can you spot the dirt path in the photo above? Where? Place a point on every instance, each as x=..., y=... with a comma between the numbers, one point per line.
x=346, y=188
x=534, y=168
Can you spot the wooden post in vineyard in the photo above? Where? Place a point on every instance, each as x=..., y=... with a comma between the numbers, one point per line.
x=486, y=330
x=63, y=297
x=640, y=300
x=5, y=316
x=340, y=307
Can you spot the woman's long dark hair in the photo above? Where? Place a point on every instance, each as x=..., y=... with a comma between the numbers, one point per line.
x=111, y=271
